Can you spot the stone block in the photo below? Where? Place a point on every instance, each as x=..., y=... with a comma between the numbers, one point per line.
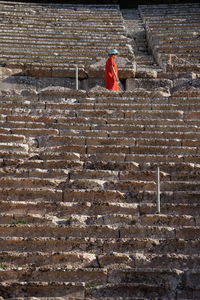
x=127, y=290
x=163, y=220
x=90, y=83
x=153, y=232
x=35, y=132
x=193, y=280
x=94, y=174
x=153, y=277
x=27, y=194
x=108, y=149
x=5, y=72
x=39, y=231
x=188, y=233
x=18, y=83
x=65, y=141
x=150, y=84
x=93, y=196
x=42, y=289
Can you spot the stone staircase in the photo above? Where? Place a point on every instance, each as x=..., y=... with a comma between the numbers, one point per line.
x=50, y=40
x=173, y=35
x=146, y=66
x=78, y=216
x=78, y=195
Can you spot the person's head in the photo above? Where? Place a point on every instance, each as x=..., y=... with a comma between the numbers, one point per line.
x=113, y=52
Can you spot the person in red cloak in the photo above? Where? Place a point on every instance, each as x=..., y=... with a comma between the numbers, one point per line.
x=111, y=71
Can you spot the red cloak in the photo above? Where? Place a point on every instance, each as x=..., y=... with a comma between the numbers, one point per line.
x=111, y=80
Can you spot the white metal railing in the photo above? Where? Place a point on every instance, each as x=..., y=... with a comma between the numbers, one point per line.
x=158, y=190
x=76, y=78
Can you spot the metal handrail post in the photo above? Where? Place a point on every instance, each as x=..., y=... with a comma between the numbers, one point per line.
x=76, y=77
x=158, y=190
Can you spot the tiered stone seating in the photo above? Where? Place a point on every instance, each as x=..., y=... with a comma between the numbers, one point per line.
x=146, y=66
x=78, y=169
x=78, y=195
x=173, y=35
x=49, y=40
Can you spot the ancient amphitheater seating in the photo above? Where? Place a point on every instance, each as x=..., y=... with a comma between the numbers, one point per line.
x=51, y=40
x=78, y=194
x=174, y=29
x=78, y=212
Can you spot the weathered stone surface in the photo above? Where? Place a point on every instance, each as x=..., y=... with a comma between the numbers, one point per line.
x=151, y=232
x=78, y=168
x=176, y=63
x=125, y=66
x=37, y=289
x=91, y=83
x=4, y=72
x=149, y=84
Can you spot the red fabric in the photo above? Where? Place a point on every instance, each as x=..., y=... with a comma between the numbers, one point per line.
x=111, y=81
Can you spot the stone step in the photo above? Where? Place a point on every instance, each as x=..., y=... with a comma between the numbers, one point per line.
x=11, y=45
x=101, y=245
x=182, y=48
x=9, y=218
x=94, y=27
x=172, y=168
x=104, y=158
x=141, y=260
x=86, y=105
x=172, y=24
x=183, y=197
x=25, y=125
x=14, y=147
x=179, y=43
x=115, y=175
x=67, y=260
x=143, y=149
x=109, y=130
x=100, y=106
x=151, y=278
x=134, y=142
x=72, y=220
x=150, y=164
x=102, y=231
x=80, y=259
x=31, y=194
x=21, y=172
x=166, y=220
x=100, y=220
x=45, y=193
x=56, y=164
x=55, y=211
x=156, y=112
x=58, y=231
x=34, y=132
x=125, y=146
x=8, y=138
x=41, y=289
x=160, y=35
x=172, y=209
x=50, y=155
x=55, y=275
x=77, y=291
x=122, y=185
x=16, y=155
x=159, y=287
x=112, y=125
x=55, y=95
x=11, y=182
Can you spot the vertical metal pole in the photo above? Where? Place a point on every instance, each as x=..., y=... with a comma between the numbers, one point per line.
x=76, y=77
x=158, y=190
